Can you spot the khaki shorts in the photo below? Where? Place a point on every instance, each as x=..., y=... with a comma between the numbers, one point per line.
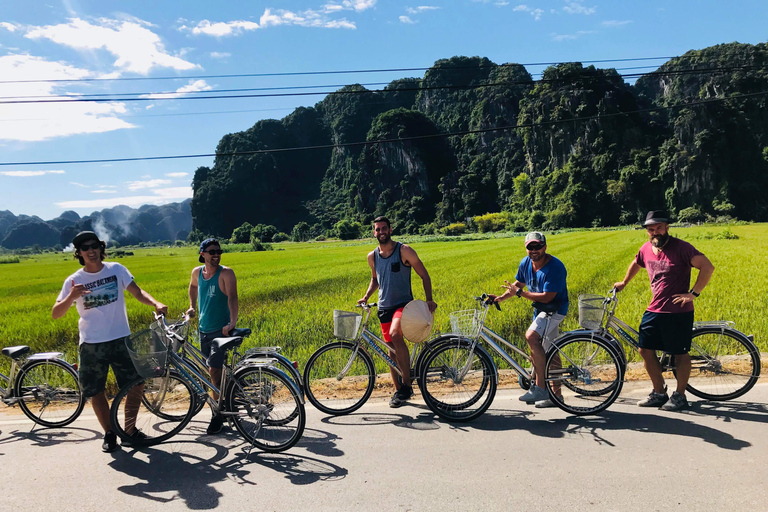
x=540, y=323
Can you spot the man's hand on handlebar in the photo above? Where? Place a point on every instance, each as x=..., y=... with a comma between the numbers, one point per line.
x=619, y=286
x=161, y=308
x=190, y=312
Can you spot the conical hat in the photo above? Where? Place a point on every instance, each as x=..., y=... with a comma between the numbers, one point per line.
x=416, y=321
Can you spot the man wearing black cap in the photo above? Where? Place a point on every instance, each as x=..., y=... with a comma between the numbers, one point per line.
x=97, y=291
x=213, y=287
x=668, y=321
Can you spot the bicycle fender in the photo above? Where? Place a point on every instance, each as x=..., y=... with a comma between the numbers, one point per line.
x=608, y=340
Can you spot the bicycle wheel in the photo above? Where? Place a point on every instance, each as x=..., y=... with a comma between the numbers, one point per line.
x=338, y=380
x=724, y=364
x=457, y=382
x=267, y=409
x=50, y=393
x=159, y=407
x=584, y=375
x=281, y=362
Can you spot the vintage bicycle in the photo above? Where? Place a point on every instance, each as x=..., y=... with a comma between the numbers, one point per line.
x=43, y=385
x=264, y=404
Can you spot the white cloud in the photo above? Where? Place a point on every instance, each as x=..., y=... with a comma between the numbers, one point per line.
x=104, y=191
x=79, y=184
x=278, y=17
x=192, y=86
x=11, y=27
x=570, y=37
x=577, y=8
x=177, y=174
x=27, y=174
x=220, y=29
x=160, y=196
x=358, y=5
x=406, y=19
x=501, y=4
x=136, y=48
x=536, y=13
x=421, y=8
x=136, y=185
x=220, y=55
x=616, y=23
x=41, y=121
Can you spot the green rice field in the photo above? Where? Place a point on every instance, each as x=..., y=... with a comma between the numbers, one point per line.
x=287, y=295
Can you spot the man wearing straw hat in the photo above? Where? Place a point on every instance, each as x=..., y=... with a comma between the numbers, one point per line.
x=668, y=322
x=391, y=263
x=97, y=291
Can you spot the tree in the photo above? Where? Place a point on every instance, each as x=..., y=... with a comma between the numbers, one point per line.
x=242, y=234
x=300, y=232
x=347, y=230
x=263, y=233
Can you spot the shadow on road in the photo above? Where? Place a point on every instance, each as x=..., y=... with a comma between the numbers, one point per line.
x=729, y=411
x=40, y=436
x=423, y=421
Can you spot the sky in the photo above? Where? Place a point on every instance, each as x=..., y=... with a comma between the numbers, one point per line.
x=147, y=48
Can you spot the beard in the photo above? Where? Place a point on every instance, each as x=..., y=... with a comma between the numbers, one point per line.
x=660, y=240
x=384, y=239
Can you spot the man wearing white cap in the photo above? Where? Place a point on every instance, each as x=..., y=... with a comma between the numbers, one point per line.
x=545, y=277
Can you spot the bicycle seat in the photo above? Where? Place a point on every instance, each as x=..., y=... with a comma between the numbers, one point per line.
x=15, y=352
x=228, y=343
x=240, y=333
x=546, y=307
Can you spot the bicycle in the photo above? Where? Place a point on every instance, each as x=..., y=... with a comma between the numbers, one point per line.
x=583, y=373
x=340, y=376
x=725, y=363
x=263, y=402
x=45, y=387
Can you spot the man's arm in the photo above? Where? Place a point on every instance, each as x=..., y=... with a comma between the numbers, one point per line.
x=193, y=292
x=706, y=268
x=410, y=257
x=62, y=306
x=230, y=289
x=374, y=284
x=632, y=271
x=144, y=297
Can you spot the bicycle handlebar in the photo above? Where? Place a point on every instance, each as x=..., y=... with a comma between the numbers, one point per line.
x=487, y=301
x=366, y=306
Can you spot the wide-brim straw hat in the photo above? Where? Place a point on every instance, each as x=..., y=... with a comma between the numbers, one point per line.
x=416, y=321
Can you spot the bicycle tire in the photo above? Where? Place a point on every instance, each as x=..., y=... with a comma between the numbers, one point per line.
x=170, y=393
x=49, y=392
x=725, y=364
x=452, y=341
x=270, y=413
x=593, y=369
x=451, y=395
x=331, y=394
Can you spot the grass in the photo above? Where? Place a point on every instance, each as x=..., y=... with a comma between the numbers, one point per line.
x=287, y=295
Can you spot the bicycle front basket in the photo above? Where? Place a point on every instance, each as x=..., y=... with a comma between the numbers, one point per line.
x=466, y=322
x=346, y=324
x=148, y=352
x=591, y=309
x=178, y=328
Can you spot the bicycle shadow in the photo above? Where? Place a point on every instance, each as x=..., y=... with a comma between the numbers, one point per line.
x=729, y=411
x=41, y=436
x=320, y=442
x=597, y=426
x=299, y=470
x=423, y=421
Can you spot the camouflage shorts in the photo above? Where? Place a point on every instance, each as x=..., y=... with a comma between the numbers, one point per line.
x=95, y=360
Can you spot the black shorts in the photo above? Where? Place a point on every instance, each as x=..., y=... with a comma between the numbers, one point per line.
x=215, y=358
x=386, y=314
x=668, y=332
x=95, y=360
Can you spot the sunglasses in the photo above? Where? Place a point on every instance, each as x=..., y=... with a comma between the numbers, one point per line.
x=88, y=247
x=215, y=252
x=534, y=247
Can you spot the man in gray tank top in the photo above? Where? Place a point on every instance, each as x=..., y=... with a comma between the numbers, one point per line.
x=391, y=263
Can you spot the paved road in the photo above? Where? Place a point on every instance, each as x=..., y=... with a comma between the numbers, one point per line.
x=714, y=456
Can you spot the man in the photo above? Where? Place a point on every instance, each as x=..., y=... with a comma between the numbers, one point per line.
x=214, y=288
x=97, y=290
x=391, y=263
x=668, y=321
x=545, y=277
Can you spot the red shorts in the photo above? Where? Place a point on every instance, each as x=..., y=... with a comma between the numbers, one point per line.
x=389, y=316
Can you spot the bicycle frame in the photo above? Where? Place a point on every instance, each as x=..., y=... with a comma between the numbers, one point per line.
x=6, y=394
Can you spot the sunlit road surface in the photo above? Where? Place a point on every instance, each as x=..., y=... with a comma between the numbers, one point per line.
x=712, y=456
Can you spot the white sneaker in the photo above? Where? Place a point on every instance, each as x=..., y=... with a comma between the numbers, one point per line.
x=535, y=394
x=544, y=404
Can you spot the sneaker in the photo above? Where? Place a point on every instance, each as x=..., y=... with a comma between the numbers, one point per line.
x=676, y=402
x=137, y=435
x=545, y=404
x=535, y=394
x=110, y=442
x=217, y=423
x=401, y=396
x=654, y=399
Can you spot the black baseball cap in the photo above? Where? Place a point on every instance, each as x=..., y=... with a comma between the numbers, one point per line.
x=84, y=236
x=205, y=244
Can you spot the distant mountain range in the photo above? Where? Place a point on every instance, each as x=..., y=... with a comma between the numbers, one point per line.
x=123, y=224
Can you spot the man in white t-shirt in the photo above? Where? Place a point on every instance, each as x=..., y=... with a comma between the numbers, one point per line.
x=97, y=291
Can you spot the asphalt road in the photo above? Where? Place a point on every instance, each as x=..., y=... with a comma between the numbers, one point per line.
x=714, y=456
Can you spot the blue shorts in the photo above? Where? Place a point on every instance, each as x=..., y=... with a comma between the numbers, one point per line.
x=215, y=357
x=668, y=332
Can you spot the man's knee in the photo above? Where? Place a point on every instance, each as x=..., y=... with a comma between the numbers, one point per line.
x=647, y=353
x=533, y=338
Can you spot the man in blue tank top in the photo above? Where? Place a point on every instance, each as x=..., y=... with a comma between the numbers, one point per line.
x=213, y=287
x=391, y=263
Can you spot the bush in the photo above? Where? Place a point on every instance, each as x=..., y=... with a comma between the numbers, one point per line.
x=455, y=229
x=690, y=215
x=347, y=230
x=492, y=222
x=9, y=259
x=195, y=236
x=257, y=246
x=280, y=237
x=263, y=232
x=242, y=235
x=300, y=232
x=320, y=238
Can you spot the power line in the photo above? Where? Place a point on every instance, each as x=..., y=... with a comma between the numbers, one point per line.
x=584, y=76
x=386, y=141
x=307, y=73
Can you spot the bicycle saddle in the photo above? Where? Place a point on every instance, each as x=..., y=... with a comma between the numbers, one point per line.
x=15, y=352
x=241, y=333
x=228, y=342
x=546, y=307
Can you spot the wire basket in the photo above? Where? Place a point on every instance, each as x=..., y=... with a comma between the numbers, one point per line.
x=591, y=309
x=148, y=352
x=466, y=322
x=177, y=333
x=346, y=324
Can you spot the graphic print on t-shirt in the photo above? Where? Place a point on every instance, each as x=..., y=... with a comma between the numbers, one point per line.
x=103, y=292
x=657, y=267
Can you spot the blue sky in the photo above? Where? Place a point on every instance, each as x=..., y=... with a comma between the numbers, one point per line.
x=143, y=39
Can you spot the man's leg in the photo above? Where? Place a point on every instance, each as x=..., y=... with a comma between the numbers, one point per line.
x=682, y=371
x=653, y=367
x=216, y=374
x=537, y=354
x=403, y=357
x=101, y=409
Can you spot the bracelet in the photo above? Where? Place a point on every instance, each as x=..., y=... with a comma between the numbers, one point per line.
x=519, y=293
x=694, y=293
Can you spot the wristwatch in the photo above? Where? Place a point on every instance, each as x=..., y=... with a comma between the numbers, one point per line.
x=519, y=292
x=694, y=293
